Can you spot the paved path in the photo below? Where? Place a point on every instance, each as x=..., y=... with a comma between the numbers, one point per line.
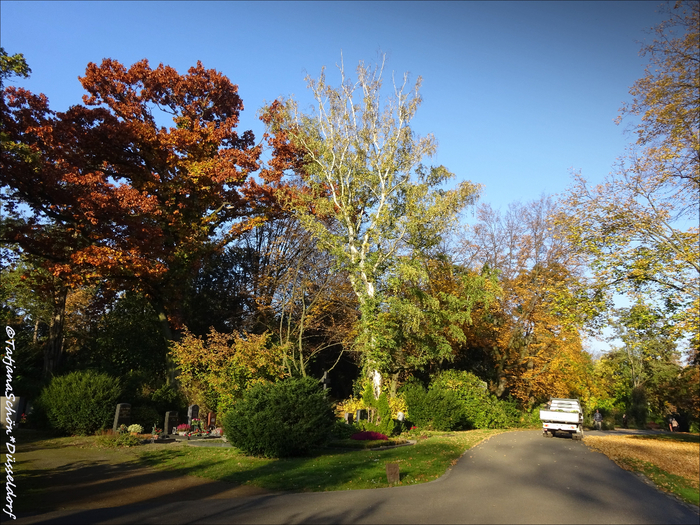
x=516, y=477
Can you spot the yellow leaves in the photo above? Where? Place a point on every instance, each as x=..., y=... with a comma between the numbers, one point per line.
x=226, y=363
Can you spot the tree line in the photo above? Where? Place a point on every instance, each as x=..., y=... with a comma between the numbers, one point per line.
x=180, y=256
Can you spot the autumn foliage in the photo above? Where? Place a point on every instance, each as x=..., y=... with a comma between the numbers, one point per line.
x=216, y=370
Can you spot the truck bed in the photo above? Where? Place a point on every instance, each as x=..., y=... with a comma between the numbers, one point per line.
x=557, y=416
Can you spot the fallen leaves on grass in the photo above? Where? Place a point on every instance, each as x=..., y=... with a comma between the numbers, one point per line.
x=677, y=458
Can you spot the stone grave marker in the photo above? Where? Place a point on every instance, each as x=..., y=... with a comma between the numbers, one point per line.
x=392, y=473
x=192, y=413
x=211, y=420
x=348, y=418
x=401, y=417
x=171, y=422
x=122, y=416
x=361, y=414
x=325, y=380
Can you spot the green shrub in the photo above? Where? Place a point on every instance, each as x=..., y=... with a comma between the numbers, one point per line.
x=480, y=409
x=287, y=418
x=435, y=408
x=80, y=402
x=167, y=398
x=146, y=416
x=386, y=424
x=341, y=430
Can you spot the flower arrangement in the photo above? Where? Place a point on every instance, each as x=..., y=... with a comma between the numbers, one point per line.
x=183, y=427
x=155, y=432
x=135, y=429
x=369, y=435
x=23, y=419
x=122, y=429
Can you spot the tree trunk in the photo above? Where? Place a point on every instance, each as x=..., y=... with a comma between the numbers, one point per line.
x=171, y=369
x=53, y=350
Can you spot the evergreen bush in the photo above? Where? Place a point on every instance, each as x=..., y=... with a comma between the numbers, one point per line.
x=386, y=424
x=480, y=409
x=81, y=402
x=436, y=408
x=287, y=418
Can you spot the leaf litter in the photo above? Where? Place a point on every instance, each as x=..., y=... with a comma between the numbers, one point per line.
x=681, y=459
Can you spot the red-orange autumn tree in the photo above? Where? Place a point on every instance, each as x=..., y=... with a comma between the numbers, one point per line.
x=105, y=191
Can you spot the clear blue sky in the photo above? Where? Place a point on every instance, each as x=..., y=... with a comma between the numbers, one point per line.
x=516, y=93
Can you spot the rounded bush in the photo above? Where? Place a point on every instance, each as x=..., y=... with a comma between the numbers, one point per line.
x=435, y=408
x=81, y=402
x=287, y=418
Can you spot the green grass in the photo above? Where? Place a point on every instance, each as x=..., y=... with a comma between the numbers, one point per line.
x=677, y=485
x=363, y=444
x=326, y=470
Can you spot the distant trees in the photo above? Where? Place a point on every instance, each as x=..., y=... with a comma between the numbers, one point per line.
x=639, y=228
x=528, y=342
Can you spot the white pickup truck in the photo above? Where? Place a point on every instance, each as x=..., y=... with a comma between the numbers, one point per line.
x=562, y=415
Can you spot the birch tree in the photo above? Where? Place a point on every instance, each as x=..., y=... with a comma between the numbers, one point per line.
x=363, y=191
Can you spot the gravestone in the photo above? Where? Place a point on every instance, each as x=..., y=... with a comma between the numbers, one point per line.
x=401, y=417
x=325, y=380
x=122, y=416
x=360, y=414
x=211, y=420
x=392, y=473
x=348, y=418
x=192, y=413
x=171, y=422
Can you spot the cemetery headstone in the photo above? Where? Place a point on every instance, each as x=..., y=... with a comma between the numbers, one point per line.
x=392, y=473
x=401, y=417
x=171, y=422
x=348, y=418
x=192, y=413
x=325, y=380
x=211, y=420
x=122, y=416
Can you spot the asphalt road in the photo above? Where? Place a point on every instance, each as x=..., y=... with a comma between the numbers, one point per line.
x=517, y=477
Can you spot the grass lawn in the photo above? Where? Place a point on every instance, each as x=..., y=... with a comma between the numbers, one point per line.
x=670, y=460
x=328, y=469
x=85, y=472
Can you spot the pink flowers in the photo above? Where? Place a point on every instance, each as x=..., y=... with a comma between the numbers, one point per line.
x=368, y=435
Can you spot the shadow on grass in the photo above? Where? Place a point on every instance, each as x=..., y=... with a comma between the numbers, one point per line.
x=122, y=479
x=335, y=469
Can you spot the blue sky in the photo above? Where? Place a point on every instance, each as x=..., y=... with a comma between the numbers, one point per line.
x=516, y=93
